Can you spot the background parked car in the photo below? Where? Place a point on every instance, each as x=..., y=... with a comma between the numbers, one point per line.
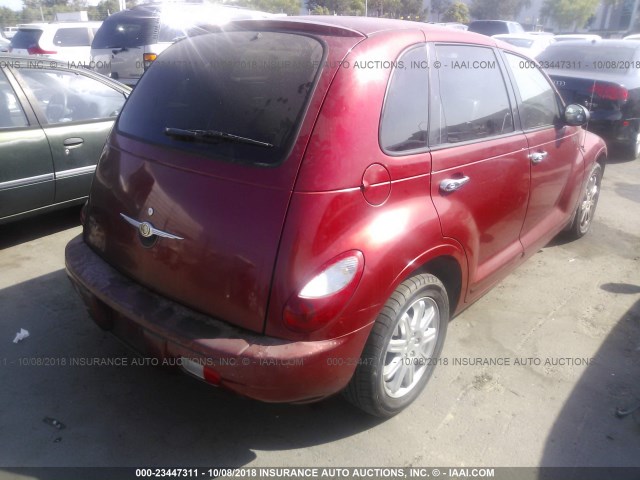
x=292, y=228
x=585, y=37
x=66, y=41
x=603, y=76
x=526, y=43
x=130, y=40
x=53, y=125
x=9, y=32
x=635, y=36
x=494, y=27
x=454, y=25
x=4, y=44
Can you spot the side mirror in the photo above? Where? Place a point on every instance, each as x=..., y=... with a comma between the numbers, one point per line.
x=576, y=115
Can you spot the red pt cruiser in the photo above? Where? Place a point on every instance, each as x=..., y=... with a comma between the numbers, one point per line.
x=291, y=208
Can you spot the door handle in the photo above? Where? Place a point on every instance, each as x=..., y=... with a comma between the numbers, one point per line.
x=73, y=142
x=537, y=157
x=453, y=184
x=70, y=143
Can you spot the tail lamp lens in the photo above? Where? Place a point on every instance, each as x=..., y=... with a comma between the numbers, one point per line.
x=36, y=50
x=610, y=92
x=324, y=296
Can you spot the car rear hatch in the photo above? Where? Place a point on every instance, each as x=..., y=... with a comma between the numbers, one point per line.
x=119, y=45
x=25, y=42
x=206, y=152
x=600, y=93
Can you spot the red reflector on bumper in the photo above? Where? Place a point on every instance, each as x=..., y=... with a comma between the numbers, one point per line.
x=203, y=372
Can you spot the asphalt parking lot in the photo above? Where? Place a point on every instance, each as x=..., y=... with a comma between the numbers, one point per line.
x=536, y=370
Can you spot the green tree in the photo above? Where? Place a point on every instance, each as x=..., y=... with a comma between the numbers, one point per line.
x=402, y=9
x=290, y=7
x=567, y=13
x=458, y=12
x=8, y=18
x=497, y=9
x=339, y=7
x=438, y=7
x=103, y=9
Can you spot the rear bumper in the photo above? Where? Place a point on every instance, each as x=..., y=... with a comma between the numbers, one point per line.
x=618, y=130
x=260, y=367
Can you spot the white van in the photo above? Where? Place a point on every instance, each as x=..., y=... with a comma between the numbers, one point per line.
x=66, y=41
x=130, y=40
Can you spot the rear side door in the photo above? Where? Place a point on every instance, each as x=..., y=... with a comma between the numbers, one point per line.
x=480, y=177
x=77, y=113
x=555, y=160
x=26, y=169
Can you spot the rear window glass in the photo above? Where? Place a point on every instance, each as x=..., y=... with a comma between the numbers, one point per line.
x=120, y=31
x=72, y=37
x=585, y=56
x=253, y=85
x=26, y=38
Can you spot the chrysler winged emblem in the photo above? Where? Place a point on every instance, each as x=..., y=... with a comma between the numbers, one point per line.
x=147, y=230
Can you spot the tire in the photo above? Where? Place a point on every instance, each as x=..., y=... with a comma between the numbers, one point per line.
x=583, y=216
x=402, y=349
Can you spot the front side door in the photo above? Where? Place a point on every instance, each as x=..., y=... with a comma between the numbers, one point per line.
x=556, y=162
x=77, y=113
x=26, y=169
x=480, y=177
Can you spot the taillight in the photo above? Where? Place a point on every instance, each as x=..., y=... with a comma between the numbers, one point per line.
x=610, y=92
x=325, y=294
x=148, y=59
x=36, y=50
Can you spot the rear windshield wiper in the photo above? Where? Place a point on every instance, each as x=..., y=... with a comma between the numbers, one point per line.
x=205, y=135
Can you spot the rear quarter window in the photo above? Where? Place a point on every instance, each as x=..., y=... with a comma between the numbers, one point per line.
x=249, y=84
x=406, y=112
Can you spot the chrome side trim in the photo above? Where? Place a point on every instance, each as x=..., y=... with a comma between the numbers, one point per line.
x=147, y=230
x=23, y=182
x=74, y=172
